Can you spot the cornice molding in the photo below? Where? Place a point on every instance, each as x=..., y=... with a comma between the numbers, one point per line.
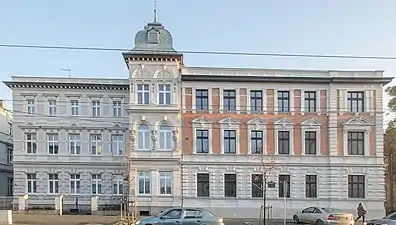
x=80, y=86
x=72, y=128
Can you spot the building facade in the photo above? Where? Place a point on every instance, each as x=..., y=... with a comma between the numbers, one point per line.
x=6, y=152
x=202, y=137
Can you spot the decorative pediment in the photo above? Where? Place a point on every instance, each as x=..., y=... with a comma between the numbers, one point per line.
x=73, y=125
x=311, y=122
x=283, y=121
x=29, y=124
x=117, y=126
x=142, y=73
x=201, y=120
x=163, y=73
x=357, y=121
x=229, y=120
x=256, y=121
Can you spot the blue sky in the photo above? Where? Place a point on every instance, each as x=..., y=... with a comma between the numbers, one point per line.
x=353, y=27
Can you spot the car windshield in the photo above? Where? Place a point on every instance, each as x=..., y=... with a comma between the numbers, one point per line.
x=331, y=210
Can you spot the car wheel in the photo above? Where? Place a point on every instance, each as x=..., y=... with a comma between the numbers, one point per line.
x=296, y=220
x=319, y=222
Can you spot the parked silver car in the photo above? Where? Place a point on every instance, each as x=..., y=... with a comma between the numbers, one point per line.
x=323, y=216
x=389, y=220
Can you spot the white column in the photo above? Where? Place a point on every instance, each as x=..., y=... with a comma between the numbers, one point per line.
x=367, y=142
x=247, y=101
x=318, y=102
x=291, y=98
x=237, y=101
x=210, y=102
x=302, y=108
x=265, y=108
x=184, y=99
x=221, y=107
x=275, y=101
x=193, y=100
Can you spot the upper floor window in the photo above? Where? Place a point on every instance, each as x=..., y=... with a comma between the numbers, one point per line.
x=143, y=137
x=310, y=101
x=256, y=141
x=229, y=100
x=96, y=144
x=95, y=108
x=31, y=142
x=283, y=101
x=256, y=101
x=53, y=143
x=74, y=106
x=52, y=107
x=117, y=144
x=356, y=101
x=230, y=141
x=202, y=141
x=310, y=142
x=202, y=99
x=75, y=144
x=165, y=137
x=117, y=109
x=283, y=142
x=355, y=143
x=30, y=106
x=143, y=94
x=164, y=94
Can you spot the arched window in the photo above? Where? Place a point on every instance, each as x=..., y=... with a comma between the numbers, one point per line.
x=165, y=137
x=143, y=137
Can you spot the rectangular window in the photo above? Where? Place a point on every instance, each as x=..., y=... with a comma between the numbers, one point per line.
x=52, y=107
x=96, y=144
x=355, y=143
x=202, y=141
x=257, y=186
x=53, y=144
x=75, y=183
x=143, y=92
x=144, y=137
x=310, y=142
x=310, y=101
x=165, y=183
x=95, y=108
x=230, y=142
x=31, y=143
x=256, y=101
x=31, y=183
x=117, y=144
x=74, y=106
x=202, y=99
x=311, y=186
x=256, y=141
x=75, y=144
x=10, y=155
x=53, y=183
x=96, y=184
x=356, y=101
x=284, y=186
x=283, y=101
x=10, y=185
x=284, y=142
x=118, y=185
x=230, y=185
x=144, y=183
x=164, y=94
x=30, y=107
x=356, y=186
x=229, y=100
x=203, y=185
x=117, y=109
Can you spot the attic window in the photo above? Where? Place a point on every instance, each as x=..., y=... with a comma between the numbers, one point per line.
x=152, y=37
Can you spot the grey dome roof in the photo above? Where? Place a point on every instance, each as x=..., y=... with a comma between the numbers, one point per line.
x=154, y=38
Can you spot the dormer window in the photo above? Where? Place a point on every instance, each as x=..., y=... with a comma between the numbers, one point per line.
x=152, y=37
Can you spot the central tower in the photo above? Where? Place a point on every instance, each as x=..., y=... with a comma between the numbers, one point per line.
x=154, y=115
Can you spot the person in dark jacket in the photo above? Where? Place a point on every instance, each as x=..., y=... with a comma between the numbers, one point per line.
x=361, y=212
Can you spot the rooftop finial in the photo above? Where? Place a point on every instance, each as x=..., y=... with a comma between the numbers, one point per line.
x=155, y=11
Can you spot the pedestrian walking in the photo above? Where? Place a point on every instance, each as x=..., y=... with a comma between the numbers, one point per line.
x=361, y=212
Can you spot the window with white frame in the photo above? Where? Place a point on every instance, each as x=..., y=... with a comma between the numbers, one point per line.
x=52, y=107
x=202, y=99
x=31, y=106
x=229, y=135
x=31, y=183
x=96, y=144
x=310, y=142
x=31, y=143
x=310, y=137
x=118, y=185
x=74, y=107
x=53, y=183
x=283, y=101
x=117, y=144
x=202, y=133
x=10, y=186
x=74, y=144
x=257, y=130
x=143, y=94
x=229, y=100
x=117, y=108
x=256, y=101
x=10, y=155
x=356, y=186
x=165, y=136
x=356, y=136
x=164, y=94
x=310, y=101
x=95, y=108
x=165, y=183
x=96, y=184
x=75, y=183
x=53, y=143
x=143, y=137
x=284, y=136
x=230, y=185
x=256, y=141
x=144, y=182
x=356, y=101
